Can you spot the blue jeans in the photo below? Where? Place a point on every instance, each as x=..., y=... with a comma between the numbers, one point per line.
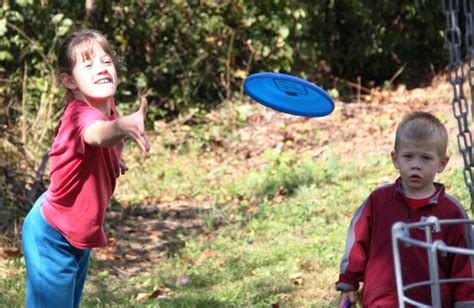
x=55, y=270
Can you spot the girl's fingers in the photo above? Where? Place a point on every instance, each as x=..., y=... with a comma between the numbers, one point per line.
x=147, y=142
x=143, y=106
x=139, y=135
x=144, y=144
x=123, y=167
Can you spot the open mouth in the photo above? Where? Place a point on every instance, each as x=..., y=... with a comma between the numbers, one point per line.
x=104, y=81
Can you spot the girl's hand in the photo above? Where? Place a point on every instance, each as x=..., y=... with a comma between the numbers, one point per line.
x=123, y=166
x=133, y=125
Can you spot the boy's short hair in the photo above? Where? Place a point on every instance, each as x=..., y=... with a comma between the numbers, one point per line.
x=422, y=127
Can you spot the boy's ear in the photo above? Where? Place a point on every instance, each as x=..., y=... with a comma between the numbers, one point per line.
x=393, y=154
x=67, y=81
x=443, y=163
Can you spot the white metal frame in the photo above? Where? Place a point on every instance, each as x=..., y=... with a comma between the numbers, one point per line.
x=401, y=234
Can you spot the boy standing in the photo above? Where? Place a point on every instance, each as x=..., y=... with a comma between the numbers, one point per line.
x=420, y=152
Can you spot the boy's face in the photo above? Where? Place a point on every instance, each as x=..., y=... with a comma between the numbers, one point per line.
x=418, y=164
x=94, y=78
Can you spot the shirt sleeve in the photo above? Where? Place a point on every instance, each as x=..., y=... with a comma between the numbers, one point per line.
x=354, y=260
x=81, y=116
x=115, y=115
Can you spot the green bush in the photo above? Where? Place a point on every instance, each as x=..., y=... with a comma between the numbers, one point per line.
x=196, y=54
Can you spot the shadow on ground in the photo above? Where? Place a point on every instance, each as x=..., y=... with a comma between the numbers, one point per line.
x=140, y=235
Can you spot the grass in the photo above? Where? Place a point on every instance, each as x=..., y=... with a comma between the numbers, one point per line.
x=287, y=217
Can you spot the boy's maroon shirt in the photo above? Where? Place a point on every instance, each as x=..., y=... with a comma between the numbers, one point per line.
x=369, y=258
x=82, y=178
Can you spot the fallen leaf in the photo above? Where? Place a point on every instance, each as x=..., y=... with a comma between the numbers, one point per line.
x=164, y=297
x=108, y=252
x=104, y=254
x=297, y=279
x=142, y=297
x=157, y=291
x=12, y=252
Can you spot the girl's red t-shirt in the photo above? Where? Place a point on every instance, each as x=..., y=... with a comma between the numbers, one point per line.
x=82, y=177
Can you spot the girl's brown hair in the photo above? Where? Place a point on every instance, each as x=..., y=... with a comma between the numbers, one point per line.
x=84, y=41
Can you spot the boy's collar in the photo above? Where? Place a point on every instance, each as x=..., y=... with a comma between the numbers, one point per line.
x=438, y=186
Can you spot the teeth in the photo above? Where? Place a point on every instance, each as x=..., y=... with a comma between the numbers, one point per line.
x=103, y=81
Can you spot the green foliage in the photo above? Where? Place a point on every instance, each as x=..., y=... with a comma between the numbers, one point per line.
x=187, y=54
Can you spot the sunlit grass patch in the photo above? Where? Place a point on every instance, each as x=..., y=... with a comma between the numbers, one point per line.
x=12, y=282
x=250, y=260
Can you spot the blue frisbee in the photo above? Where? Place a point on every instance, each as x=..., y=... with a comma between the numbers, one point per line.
x=288, y=94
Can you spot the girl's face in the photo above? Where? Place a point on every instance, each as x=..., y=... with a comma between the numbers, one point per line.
x=93, y=78
x=418, y=164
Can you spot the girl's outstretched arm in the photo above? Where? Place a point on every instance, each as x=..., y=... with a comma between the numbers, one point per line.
x=109, y=133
